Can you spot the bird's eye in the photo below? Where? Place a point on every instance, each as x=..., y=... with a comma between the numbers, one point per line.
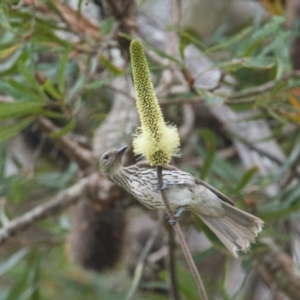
x=106, y=156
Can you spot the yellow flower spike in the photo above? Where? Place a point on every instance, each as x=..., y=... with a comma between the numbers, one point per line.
x=155, y=139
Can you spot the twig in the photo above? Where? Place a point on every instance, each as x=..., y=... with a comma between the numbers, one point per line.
x=219, y=84
x=192, y=100
x=128, y=94
x=76, y=22
x=171, y=264
x=18, y=6
x=70, y=148
x=278, y=160
x=180, y=236
x=64, y=199
x=264, y=87
x=138, y=272
x=248, y=100
x=180, y=101
x=252, y=146
x=277, y=269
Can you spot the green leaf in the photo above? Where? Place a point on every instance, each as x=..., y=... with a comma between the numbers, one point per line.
x=9, y=131
x=286, y=202
x=290, y=160
x=8, y=51
x=187, y=284
x=64, y=130
x=51, y=90
x=202, y=256
x=57, y=180
x=278, y=213
x=26, y=285
x=3, y=159
x=247, y=176
x=230, y=41
x=21, y=91
x=211, y=145
x=258, y=62
x=11, y=64
x=188, y=38
x=44, y=35
x=110, y=66
x=74, y=90
x=98, y=83
x=225, y=170
x=12, y=260
x=4, y=23
x=107, y=25
x=52, y=114
x=30, y=79
x=17, y=109
x=247, y=62
x=61, y=73
x=269, y=29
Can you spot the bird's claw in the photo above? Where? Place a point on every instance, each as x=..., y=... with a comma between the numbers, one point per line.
x=180, y=210
x=172, y=221
x=158, y=188
x=176, y=215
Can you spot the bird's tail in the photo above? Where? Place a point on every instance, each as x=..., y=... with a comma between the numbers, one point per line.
x=236, y=229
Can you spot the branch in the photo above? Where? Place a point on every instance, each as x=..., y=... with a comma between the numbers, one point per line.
x=64, y=199
x=174, y=294
x=264, y=87
x=280, y=161
x=77, y=22
x=278, y=270
x=138, y=272
x=70, y=148
x=180, y=236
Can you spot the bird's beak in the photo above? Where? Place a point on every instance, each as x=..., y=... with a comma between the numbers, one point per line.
x=120, y=151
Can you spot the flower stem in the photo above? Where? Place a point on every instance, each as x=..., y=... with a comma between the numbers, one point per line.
x=182, y=241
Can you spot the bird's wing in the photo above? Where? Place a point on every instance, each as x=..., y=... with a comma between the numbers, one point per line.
x=218, y=193
x=146, y=164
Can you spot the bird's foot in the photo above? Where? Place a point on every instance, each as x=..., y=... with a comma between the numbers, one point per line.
x=172, y=221
x=167, y=184
x=180, y=210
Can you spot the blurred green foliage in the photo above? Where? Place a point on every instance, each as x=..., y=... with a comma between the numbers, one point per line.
x=74, y=81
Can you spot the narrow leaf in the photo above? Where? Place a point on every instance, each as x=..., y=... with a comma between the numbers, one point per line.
x=63, y=130
x=247, y=176
x=9, y=131
x=61, y=74
x=12, y=261
x=17, y=109
x=110, y=66
x=30, y=79
x=21, y=90
x=99, y=83
x=51, y=90
x=211, y=145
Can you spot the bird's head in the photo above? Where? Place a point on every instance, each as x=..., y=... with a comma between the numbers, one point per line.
x=111, y=161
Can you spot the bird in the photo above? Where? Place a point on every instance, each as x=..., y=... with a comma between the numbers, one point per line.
x=235, y=228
